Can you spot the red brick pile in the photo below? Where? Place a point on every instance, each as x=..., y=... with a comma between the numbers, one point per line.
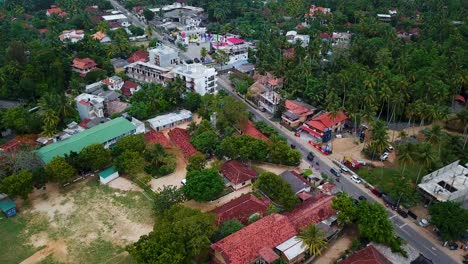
x=181, y=139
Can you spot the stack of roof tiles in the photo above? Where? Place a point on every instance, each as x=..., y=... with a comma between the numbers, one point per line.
x=157, y=137
x=241, y=209
x=181, y=139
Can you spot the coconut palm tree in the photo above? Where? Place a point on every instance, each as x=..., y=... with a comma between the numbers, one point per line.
x=435, y=137
x=379, y=138
x=426, y=158
x=313, y=238
x=405, y=155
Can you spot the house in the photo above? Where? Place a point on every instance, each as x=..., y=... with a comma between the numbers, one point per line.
x=297, y=182
x=269, y=80
x=237, y=175
x=139, y=55
x=449, y=183
x=119, y=18
x=293, y=37
x=254, y=242
x=72, y=36
x=107, y=134
x=108, y=175
x=241, y=208
x=314, y=11
x=198, y=78
x=244, y=68
x=180, y=138
x=83, y=66
x=92, y=9
x=313, y=210
x=270, y=101
x=341, y=39
x=235, y=48
x=118, y=64
x=255, y=90
x=292, y=250
x=101, y=37
x=129, y=88
x=384, y=17
x=296, y=113
x=366, y=255
x=147, y=72
x=318, y=126
x=251, y=130
x=163, y=56
x=166, y=121
x=113, y=83
x=54, y=10
x=153, y=137
x=7, y=205
x=89, y=106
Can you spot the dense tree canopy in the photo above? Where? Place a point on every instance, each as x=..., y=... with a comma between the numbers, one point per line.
x=167, y=197
x=203, y=185
x=18, y=184
x=226, y=228
x=450, y=218
x=277, y=189
x=60, y=170
x=95, y=157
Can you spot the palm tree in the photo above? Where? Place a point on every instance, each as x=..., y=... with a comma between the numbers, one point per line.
x=435, y=137
x=405, y=155
x=379, y=137
x=426, y=158
x=313, y=238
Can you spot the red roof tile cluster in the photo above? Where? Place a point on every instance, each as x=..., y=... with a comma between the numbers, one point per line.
x=237, y=172
x=268, y=78
x=139, y=55
x=127, y=88
x=14, y=144
x=43, y=30
x=154, y=137
x=83, y=64
x=241, y=209
x=138, y=8
x=181, y=139
x=56, y=10
x=367, y=255
x=313, y=9
x=324, y=121
x=245, y=245
x=296, y=108
x=251, y=130
x=310, y=211
x=268, y=254
x=91, y=9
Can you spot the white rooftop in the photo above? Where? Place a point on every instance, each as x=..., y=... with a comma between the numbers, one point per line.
x=162, y=49
x=292, y=248
x=449, y=183
x=89, y=98
x=195, y=70
x=170, y=118
x=114, y=17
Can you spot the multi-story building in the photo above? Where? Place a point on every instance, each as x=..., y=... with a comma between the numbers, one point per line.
x=148, y=72
x=269, y=100
x=90, y=106
x=198, y=78
x=113, y=83
x=292, y=37
x=236, y=48
x=163, y=56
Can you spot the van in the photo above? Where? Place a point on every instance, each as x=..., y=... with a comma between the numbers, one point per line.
x=335, y=172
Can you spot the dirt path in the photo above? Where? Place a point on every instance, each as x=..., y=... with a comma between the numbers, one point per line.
x=58, y=248
x=174, y=178
x=124, y=185
x=204, y=207
x=334, y=250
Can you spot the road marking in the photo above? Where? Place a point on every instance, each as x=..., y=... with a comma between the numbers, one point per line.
x=430, y=250
x=403, y=225
x=393, y=216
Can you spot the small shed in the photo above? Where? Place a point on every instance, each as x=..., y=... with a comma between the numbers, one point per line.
x=108, y=175
x=7, y=206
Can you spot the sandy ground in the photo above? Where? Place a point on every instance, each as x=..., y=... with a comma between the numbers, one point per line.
x=124, y=184
x=277, y=169
x=334, y=250
x=57, y=248
x=204, y=207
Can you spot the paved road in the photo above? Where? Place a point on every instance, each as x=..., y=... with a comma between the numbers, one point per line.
x=402, y=228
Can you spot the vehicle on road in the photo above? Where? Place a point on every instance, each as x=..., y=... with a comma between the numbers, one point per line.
x=384, y=156
x=376, y=192
x=335, y=172
x=344, y=169
x=310, y=156
x=362, y=198
x=293, y=146
x=389, y=149
x=356, y=179
x=423, y=222
x=261, y=108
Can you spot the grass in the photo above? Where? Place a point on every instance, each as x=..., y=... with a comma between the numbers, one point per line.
x=13, y=247
x=307, y=172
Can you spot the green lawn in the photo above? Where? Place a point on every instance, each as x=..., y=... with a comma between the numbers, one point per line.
x=13, y=248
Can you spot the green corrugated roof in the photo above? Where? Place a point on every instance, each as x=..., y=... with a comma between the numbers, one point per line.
x=107, y=172
x=6, y=204
x=95, y=135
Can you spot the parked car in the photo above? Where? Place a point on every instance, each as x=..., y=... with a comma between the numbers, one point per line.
x=344, y=169
x=293, y=146
x=184, y=181
x=310, y=156
x=356, y=179
x=261, y=108
x=384, y=156
x=389, y=148
x=376, y=192
x=423, y=222
x=403, y=213
x=362, y=198
x=335, y=172
x=453, y=246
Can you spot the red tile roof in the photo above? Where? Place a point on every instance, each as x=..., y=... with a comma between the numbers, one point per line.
x=91, y=9
x=296, y=108
x=367, y=255
x=235, y=41
x=43, y=30
x=268, y=255
x=139, y=55
x=237, y=172
x=158, y=137
x=127, y=86
x=313, y=210
x=304, y=196
x=83, y=64
x=252, y=131
x=245, y=245
x=326, y=120
x=241, y=209
x=11, y=145
x=181, y=139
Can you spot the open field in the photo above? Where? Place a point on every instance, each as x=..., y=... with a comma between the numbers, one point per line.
x=85, y=223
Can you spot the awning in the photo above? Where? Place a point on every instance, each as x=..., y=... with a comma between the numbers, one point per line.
x=460, y=98
x=312, y=132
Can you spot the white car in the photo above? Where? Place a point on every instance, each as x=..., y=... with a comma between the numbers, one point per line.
x=356, y=179
x=184, y=181
x=423, y=222
x=384, y=156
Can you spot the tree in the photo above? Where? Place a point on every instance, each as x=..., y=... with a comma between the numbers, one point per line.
x=450, y=218
x=137, y=31
x=60, y=170
x=203, y=186
x=160, y=163
x=227, y=227
x=281, y=153
x=313, y=238
x=379, y=138
x=134, y=143
x=166, y=198
x=180, y=234
x=206, y=142
x=18, y=184
x=130, y=162
x=347, y=211
x=277, y=189
x=192, y=101
x=20, y=120
x=196, y=162
x=149, y=15
x=244, y=148
x=405, y=154
x=203, y=52
x=95, y=157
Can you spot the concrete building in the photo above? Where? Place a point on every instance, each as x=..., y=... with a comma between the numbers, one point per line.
x=234, y=47
x=198, y=78
x=163, y=56
x=72, y=36
x=113, y=83
x=108, y=175
x=269, y=100
x=147, y=72
x=89, y=106
x=170, y=120
x=449, y=183
x=292, y=37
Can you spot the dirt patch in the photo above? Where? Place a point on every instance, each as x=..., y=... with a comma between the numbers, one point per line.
x=174, y=178
x=205, y=207
x=58, y=248
x=335, y=250
x=39, y=240
x=124, y=185
x=276, y=169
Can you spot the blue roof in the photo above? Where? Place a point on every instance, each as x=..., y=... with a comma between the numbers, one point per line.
x=7, y=204
x=107, y=172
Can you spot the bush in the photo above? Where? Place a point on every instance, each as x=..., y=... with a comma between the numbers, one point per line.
x=277, y=189
x=228, y=227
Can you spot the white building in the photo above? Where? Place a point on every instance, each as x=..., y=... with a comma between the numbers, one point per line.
x=113, y=83
x=72, y=36
x=292, y=249
x=163, y=56
x=170, y=120
x=148, y=72
x=108, y=175
x=449, y=183
x=198, y=78
x=293, y=38
x=236, y=48
x=120, y=18
x=89, y=106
